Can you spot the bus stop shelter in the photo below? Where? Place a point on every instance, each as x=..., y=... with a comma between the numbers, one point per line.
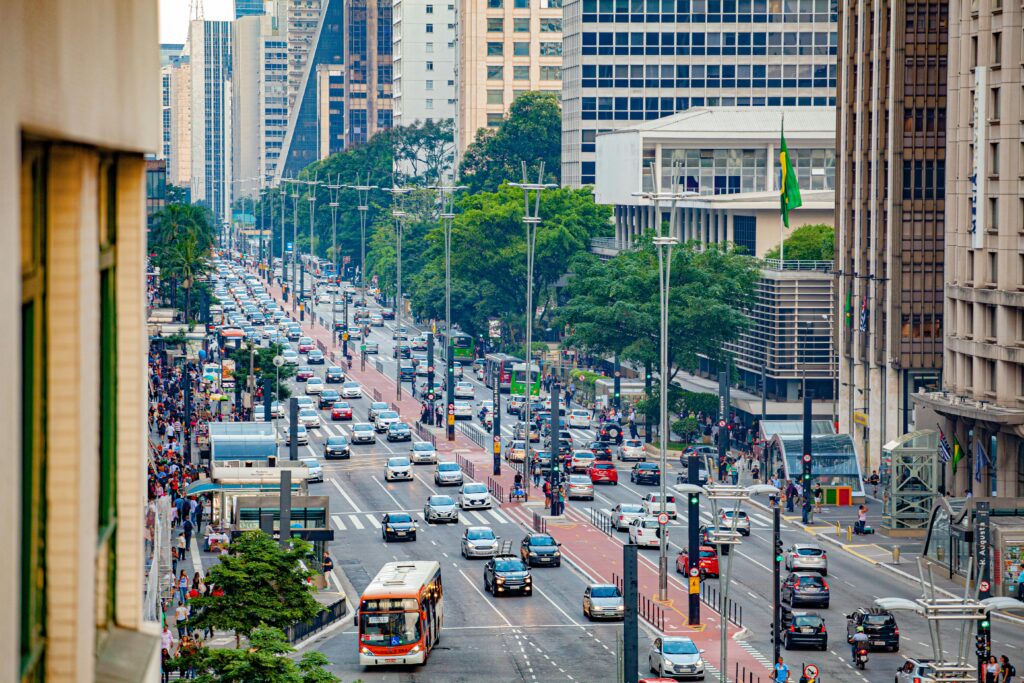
x=834, y=464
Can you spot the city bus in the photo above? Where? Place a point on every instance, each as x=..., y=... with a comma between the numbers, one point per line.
x=230, y=338
x=400, y=614
x=499, y=365
x=518, y=386
x=462, y=346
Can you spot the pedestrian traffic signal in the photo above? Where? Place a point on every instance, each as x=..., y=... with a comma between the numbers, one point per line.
x=982, y=646
x=984, y=624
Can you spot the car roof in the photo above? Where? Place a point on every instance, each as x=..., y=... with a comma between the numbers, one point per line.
x=601, y=585
x=479, y=528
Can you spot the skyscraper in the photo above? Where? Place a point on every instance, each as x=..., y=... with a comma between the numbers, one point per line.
x=628, y=61
x=303, y=25
x=368, y=63
x=248, y=8
x=424, y=36
x=891, y=148
x=505, y=48
x=170, y=55
x=210, y=55
x=179, y=157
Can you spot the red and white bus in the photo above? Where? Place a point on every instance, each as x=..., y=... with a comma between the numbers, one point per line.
x=400, y=614
x=499, y=365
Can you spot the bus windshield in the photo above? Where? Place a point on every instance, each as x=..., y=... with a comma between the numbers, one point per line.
x=389, y=629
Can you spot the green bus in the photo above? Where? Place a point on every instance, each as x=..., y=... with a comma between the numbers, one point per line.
x=462, y=347
x=518, y=386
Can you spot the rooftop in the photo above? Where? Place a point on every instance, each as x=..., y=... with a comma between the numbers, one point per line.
x=741, y=122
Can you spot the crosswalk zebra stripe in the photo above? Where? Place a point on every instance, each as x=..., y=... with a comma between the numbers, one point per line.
x=502, y=519
x=478, y=516
x=373, y=521
x=356, y=522
x=463, y=520
x=337, y=521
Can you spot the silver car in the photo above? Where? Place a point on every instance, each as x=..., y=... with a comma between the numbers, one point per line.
x=580, y=486
x=363, y=432
x=479, y=541
x=624, y=513
x=916, y=671
x=807, y=557
x=675, y=657
x=397, y=468
x=448, y=474
x=440, y=509
x=729, y=517
x=603, y=601
x=422, y=451
x=632, y=449
x=376, y=407
x=385, y=419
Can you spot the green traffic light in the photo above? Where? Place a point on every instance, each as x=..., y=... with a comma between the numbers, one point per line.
x=693, y=500
x=985, y=623
x=778, y=558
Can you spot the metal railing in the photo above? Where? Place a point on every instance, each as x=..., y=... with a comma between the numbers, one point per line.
x=301, y=630
x=602, y=521
x=394, y=407
x=377, y=396
x=605, y=244
x=496, y=489
x=467, y=465
x=649, y=611
x=424, y=434
x=540, y=525
x=820, y=266
x=474, y=433
x=712, y=597
x=379, y=365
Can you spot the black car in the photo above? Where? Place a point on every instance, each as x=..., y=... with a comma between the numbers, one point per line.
x=399, y=431
x=540, y=549
x=327, y=398
x=611, y=431
x=645, y=473
x=705, y=532
x=402, y=350
x=337, y=447
x=398, y=526
x=602, y=450
x=803, y=629
x=507, y=574
x=805, y=588
x=335, y=375
x=879, y=626
x=315, y=357
x=387, y=313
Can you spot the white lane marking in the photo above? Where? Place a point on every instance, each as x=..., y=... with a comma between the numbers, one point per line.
x=424, y=482
x=356, y=522
x=484, y=598
x=197, y=563
x=329, y=428
x=557, y=606
x=355, y=508
x=502, y=519
x=385, y=490
x=373, y=520
x=463, y=520
x=760, y=517
x=312, y=453
x=476, y=515
x=337, y=521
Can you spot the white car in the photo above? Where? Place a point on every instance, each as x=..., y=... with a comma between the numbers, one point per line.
x=398, y=468
x=644, y=531
x=385, y=419
x=675, y=657
x=448, y=474
x=302, y=436
x=464, y=390
x=624, y=513
x=652, y=504
x=314, y=471
x=291, y=356
x=355, y=332
x=363, y=432
x=314, y=385
x=474, y=496
x=351, y=390
x=730, y=516
x=423, y=451
x=457, y=370
x=304, y=402
x=309, y=418
x=463, y=409
x=579, y=419
x=632, y=449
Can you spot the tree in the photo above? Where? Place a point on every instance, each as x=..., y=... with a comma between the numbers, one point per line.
x=181, y=242
x=425, y=152
x=808, y=243
x=266, y=660
x=263, y=364
x=261, y=583
x=531, y=133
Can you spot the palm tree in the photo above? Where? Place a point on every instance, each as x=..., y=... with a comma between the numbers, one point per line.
x=188, y=261
x=180, y=242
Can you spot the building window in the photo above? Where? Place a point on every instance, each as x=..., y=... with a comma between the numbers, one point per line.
x=430, y=28
x=744, y=233
x=32, y=601
x=430, y=9
x=993, y=213
x=521, y=25
x=430, y=66
x=993, y=269
x=495, y=24
x=494, y=4
x=550, y=73
x=430, y=104
x=429, y=48
x=993, y=153
x=995, y=104
x=974, y=51
x=1020, y=466
x=495, y=49
x=521, y=49
x=551, y=25
x=495, y=72
x=494, y=120
x=551, y=49
x=495, y=97
x=520, y=73
x=997, y=48
x=521, y=4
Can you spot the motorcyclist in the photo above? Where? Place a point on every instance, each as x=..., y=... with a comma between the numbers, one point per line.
x=859, y=641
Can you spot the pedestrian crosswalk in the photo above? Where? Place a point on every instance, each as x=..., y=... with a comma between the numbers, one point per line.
x=369, y=522
x=756, y=520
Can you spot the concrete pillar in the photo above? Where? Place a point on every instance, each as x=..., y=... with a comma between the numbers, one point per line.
x=730, y=227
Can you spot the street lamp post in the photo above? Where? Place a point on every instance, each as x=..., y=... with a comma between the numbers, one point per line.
x=532, y=222
x=295, y=238
x=363, y=193
x=398, y=215
x=312, y=213
x=334, y=191
x=284, y=277
x=447, y=197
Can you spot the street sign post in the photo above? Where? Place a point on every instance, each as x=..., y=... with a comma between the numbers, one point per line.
x=811, y=672
x=663, y=518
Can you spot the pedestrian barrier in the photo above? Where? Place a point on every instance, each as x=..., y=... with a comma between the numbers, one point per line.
x=320, y=345
x=649, y=611
x=540, y=525
x=301, y=630
x=602, y=521
x=744, y=676
x=424, y=434
x=475, y=435
x=377, y=363
x=394, y=407
x=468, y=468
x=496, y=489
x=712, y=597
x=377, y=396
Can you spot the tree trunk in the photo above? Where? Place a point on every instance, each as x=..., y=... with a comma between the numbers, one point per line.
x=188, y=303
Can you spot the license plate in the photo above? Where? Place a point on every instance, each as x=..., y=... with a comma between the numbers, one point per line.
x=807, y=630
x=811, y=590
x=878, y=642
x=401, y=533
x=390, y=660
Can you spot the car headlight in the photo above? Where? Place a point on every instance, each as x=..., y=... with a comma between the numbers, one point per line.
x=620, y=608
x=557, y=553
x=529, y=579
x=415, y=649
x=365, y=651
x=533, y=554
x=500, y=580
x=388, y=529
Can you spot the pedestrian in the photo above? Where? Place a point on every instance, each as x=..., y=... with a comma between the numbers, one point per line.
x=187, y=528
x=734, y=474
x=166, y=637
x=780, y=674
x=991, y=670
x=165, y=669
x=547, y=494
x=790, y=496
x=327, y=564
x=819, y=497
x=1006, y=670
x=181, y=619
x=755, y=472
x=862, y=520
x=537, y=471
x=183, y=585
x=199, y=517
x=181, y=546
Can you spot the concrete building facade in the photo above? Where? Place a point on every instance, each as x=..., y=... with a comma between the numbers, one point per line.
x=423, y=35
x=73, y=387
x=982, y=397
x=627, y=62
x=210, y=55
x=505, y=48
x=890, y=213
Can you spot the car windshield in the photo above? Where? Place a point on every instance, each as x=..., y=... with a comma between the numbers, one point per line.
x=647, y=466
x=422, y=447
x=334, y=370
x=340, y=405
x=362, y=428
x=480, y=535
x=604, y=592
x=307, y=412
x=809, y=552
x=542, y=541
x=650, y=524
x=387, y=415
x=448, y=467
x=807, y=620
x=810, y=581
x=604, y=466
x=734, y=513
x=509, y=566
x=629, y=507
x=474, y=488
x=398, y=462
x=634, y=444
x=399, y=518
x=336, y=441
x=312, y=464
x=579, y=479
x=679, y=647
x=389, y=629
x=351, y=385
x=399, y=426
x=441, y=500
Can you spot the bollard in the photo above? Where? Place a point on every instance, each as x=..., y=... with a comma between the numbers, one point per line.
x=895, y=554
x=849, y=533
x=839, y=529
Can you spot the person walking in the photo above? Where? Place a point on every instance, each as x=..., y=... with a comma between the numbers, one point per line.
x=780, y=673
x=187, y=527
x=183, y=586
x=790, y=496
x=547, y=494
x=1006, y=670
x=537, y=471
x=181, y=619
x=327, y=564
x=819, y=497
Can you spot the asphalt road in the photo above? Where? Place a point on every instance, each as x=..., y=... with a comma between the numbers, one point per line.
x=545, y=637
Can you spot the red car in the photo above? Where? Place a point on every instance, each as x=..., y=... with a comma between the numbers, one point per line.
x=604, y=472
x=306, y=347
x=304, y=373
x=708, y=563
x=341, y=411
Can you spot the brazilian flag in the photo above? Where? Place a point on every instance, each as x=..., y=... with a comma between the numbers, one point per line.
x=789, y=193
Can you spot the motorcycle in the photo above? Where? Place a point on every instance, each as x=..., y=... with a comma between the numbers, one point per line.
x=861, y=659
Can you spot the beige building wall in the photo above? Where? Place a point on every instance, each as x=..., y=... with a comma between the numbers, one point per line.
x=489, y=77
x=72, y=128
x=179, y=162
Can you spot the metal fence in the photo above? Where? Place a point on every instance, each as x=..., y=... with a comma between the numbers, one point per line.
x=379, y=364
x=649, y=611
x=496, y=489
x=743, y=676
x=467, y=465
x=301, y=630
x=474, y=433
x=375, y=392
x=424, y=434
x=540, y=525
x=602, y=521
x=712, y=597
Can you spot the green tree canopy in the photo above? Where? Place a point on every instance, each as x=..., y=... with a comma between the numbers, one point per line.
x=266, y=660
x=262, y=584
x=531, y=133
x=180, y=243
x=263, y=365
x=808, y=243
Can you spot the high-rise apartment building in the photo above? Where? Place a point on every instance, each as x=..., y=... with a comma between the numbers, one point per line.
x=303, y=19
x=330, y=105
x=982, y=401
x=301, y=142
x=890, y=198
x=505, y=48
x=424, y=60
x=73, y=384
x=179, y=156
x=210, y=55
x=248, y=8
x=369, y=69
x=170, y=55
x=628, y=61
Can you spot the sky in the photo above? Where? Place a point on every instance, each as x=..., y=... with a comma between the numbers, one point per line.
x=174, y=17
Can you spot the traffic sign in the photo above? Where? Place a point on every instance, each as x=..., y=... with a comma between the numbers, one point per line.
x=807, y=457
x=721, y=423
x=694, y=585
x=451, y=408
x=430, y=369
x=811, y=671
x=663, y=518
x=983, y=586
x=694, y=571
x=278, y=361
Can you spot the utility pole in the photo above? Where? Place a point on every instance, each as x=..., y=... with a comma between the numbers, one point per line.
x=363, y=195
x=806, y=473
x=617, y=383
x=296, y=295
x=430, y=372
x=631, y=624
x=723, y=421
x=334, y=192
x=693, y=539
x=556, y=508
x=447, y=201
x=312, y=214
x=776, y=579
x=648, y=386
x=284, y=276
x=532, y=222
x=293, y=428
x=396, y=195
x=496, y=416
x=982, y=548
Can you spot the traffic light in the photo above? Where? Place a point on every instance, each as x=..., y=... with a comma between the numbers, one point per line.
x=982, y=646
x=694, y=499
x=806, y=476
x=778, y=550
